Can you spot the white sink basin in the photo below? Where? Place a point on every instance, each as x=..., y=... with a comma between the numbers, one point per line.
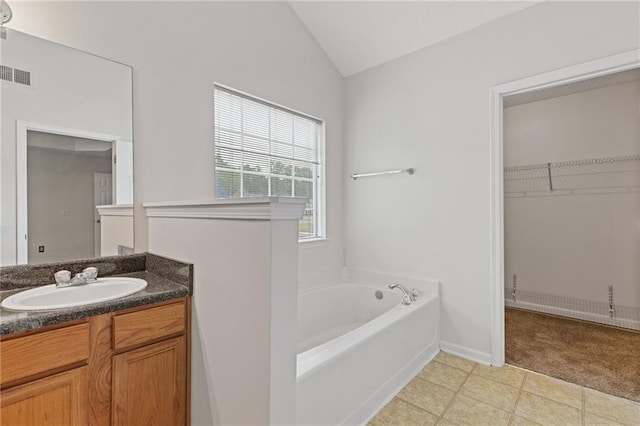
x=49, y=297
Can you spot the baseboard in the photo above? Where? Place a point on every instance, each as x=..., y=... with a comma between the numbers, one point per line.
x=465, y=352
x=389, y=390
x=572, y=313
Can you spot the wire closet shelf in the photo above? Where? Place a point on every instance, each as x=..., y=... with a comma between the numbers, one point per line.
x=619, y=174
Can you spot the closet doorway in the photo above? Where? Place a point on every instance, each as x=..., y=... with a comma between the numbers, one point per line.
x=571, y=157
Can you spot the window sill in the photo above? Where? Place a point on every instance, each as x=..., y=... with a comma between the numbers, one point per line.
x=312, y=242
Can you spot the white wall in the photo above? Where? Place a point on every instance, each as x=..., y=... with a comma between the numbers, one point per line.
x=60, y=181
x=591, y=124
x=230, y=361
x=178, y=50
x=431, y=110
x=69, y=89
x=575, y=245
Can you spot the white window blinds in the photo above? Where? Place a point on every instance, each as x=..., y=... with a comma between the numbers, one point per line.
x=263, y=149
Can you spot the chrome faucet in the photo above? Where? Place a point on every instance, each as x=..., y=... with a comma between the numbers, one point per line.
x=408, y=296
x=63, y=278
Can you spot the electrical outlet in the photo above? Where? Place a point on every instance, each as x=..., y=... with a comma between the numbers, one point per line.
x=40, y=249
x=65, y=212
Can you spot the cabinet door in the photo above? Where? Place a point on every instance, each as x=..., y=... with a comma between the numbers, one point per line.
x=56, y=400
x=149, y=385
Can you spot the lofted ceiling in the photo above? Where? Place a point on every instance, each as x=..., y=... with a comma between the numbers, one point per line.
x=358, y=35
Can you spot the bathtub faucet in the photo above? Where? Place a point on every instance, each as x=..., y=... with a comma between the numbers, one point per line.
x=407, y=296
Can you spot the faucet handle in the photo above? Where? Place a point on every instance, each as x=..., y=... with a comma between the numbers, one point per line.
x=62, y=277
x=90, y=273
x=414, y=294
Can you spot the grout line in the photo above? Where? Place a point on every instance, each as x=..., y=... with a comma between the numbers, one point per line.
x=485, y=403
x=553, y=400
x=498, y=381
x=456, y=393
x=583, y=390
x=469, y=373
x=411, y=403
x=452, y=366
x=515, y=406
x=457, y=368
x=472, y=371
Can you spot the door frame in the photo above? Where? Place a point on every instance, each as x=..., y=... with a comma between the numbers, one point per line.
x=22, y=218
x=97, y=237
x=599, y=67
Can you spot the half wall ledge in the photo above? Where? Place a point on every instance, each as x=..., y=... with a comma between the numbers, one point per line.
x=259, y=208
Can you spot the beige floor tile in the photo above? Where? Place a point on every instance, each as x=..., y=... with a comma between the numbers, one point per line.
x=555, y=389
x=399, y=413
x=429, y=396
x=547, y=412
x=455, y=361
x=466, y=411
x=591, y=419
x=521, y=421
x=490, y=392
x=445, y=422
x=610, y=407
x=506, y=375
x=443, y=375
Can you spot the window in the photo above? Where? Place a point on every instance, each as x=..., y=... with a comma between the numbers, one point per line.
x=264, y=149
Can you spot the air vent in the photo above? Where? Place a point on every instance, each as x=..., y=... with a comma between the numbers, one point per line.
x=6, y=73
x=22, y=77
x=15, y=75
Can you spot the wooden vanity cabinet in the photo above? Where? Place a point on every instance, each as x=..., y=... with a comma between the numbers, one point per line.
x=55, y=400
x=149, y=384
x=123, y=368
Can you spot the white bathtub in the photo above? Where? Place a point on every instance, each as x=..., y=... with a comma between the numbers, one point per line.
x=356, y=351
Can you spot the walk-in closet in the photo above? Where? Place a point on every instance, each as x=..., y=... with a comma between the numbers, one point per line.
x=572, y=232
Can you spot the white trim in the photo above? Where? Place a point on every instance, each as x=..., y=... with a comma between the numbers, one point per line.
x=22, y=219
x=308, y=243
x=599, y=67
x=321, y=184
x=22, y=127
x=115, y=210
x=259, y=208
x=496, y=192
x=466, y=353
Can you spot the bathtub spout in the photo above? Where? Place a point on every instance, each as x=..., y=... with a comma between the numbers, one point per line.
x=407, y=296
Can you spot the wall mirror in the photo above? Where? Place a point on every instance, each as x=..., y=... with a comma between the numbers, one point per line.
x=66, y=162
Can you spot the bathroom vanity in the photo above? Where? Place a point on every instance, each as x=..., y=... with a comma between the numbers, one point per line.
x=121, y=362
x=66, y=154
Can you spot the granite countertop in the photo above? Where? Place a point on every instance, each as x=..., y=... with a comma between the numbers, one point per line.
x=158, y=289
x=163, y=283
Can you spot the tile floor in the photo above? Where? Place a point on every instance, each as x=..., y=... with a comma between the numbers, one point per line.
x=455, y=391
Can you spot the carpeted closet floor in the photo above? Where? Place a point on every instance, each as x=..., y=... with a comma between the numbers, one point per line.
x=592, y=355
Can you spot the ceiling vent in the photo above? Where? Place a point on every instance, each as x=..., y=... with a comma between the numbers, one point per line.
x=15, y=75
